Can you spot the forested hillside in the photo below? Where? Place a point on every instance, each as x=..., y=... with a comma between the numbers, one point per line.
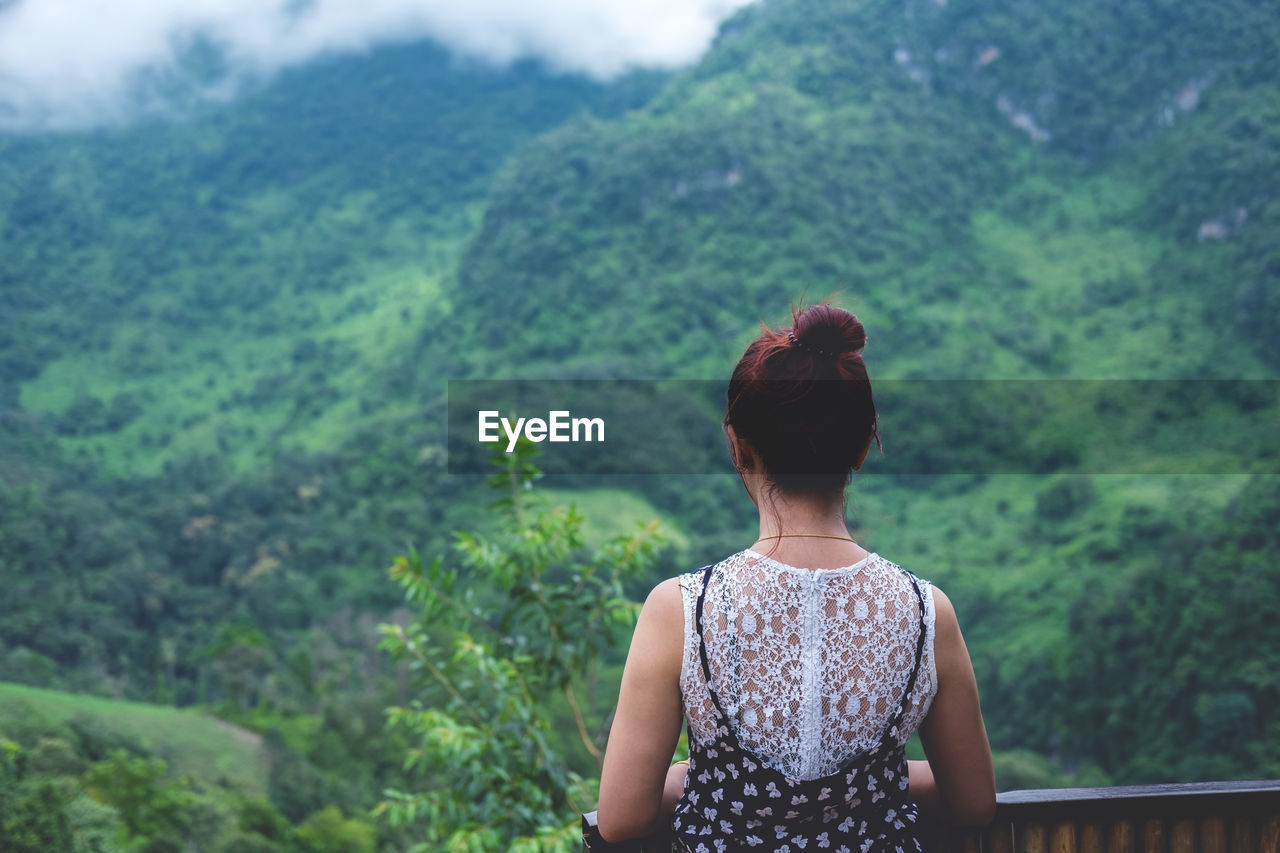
x=997, y=187
x=199, y=320
x=225, y=337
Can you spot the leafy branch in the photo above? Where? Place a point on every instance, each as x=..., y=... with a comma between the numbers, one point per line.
x=536, y=611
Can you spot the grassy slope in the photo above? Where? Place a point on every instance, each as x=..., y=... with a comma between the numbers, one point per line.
x=249, y=391
x=191, y=742
x=615, y=512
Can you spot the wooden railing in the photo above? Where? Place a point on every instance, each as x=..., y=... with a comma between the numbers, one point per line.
x=1205, y=817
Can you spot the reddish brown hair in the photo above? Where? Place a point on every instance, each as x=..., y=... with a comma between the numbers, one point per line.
x=802, y=398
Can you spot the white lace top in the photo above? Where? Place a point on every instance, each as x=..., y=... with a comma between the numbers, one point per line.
x=816, y=661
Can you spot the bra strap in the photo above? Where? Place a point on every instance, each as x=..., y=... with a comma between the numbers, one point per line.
x=702, y=645
x=915, y=667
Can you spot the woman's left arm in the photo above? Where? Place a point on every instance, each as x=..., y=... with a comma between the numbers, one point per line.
x=647, y=723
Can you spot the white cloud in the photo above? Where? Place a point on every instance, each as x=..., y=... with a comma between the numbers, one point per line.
x=76, y=63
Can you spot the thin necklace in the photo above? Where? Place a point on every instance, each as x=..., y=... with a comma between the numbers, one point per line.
x=811, y=535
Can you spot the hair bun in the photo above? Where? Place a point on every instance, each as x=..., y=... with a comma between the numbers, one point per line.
x=810, y=433
x=828, y=330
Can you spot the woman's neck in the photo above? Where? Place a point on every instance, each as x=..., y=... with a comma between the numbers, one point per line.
x=806, y=531
x=782, y=514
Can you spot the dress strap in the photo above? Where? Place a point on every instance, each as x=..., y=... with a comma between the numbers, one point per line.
x=702, y=645
x=915, y=667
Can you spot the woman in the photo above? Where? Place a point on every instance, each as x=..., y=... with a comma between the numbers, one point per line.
x=804, y=663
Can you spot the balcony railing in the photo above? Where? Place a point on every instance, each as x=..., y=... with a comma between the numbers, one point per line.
x=1204, y=817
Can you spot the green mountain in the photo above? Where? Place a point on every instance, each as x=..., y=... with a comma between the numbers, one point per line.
x=225, y=340
x=225, y=287
x=199, y=323
x=999, y=189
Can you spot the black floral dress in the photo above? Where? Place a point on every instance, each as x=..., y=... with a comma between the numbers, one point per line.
x=733, y=801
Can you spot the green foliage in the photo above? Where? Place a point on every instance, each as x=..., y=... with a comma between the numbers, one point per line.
x=134, y=609
x=56, y=757
x=1020, y=770
x=260, y=820
x=93, y=728
x=33, y=816
x=327, y=831
x=219, y=286
x=149, y=807
x=94, y=826
x=524, y=614
x=871, y=147
x=1206, y=592
x=133, y=804
x=1063, y=498
x=297, y=786
x=243, y=657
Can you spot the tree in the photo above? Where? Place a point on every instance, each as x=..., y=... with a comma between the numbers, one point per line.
x=327, y=831
x=527, y=612
x=154, y=811
x=33, y=817
x=243, y=655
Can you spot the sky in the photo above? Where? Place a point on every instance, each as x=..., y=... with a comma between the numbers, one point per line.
x=70, y=64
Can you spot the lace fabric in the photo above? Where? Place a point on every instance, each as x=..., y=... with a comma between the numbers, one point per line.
x=809, y=664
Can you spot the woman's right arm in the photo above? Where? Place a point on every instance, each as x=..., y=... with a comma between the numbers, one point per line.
x=958, y=784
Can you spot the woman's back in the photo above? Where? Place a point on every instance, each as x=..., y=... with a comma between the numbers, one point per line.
x=801, y=685
x=808, y=664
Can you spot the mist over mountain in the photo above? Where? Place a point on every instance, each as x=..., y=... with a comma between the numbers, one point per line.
x=82, y=64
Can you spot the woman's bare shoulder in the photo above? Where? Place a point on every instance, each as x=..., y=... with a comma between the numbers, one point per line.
x=663, y=609
x=951, y=656
x=666, y=594
x=946, y=625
